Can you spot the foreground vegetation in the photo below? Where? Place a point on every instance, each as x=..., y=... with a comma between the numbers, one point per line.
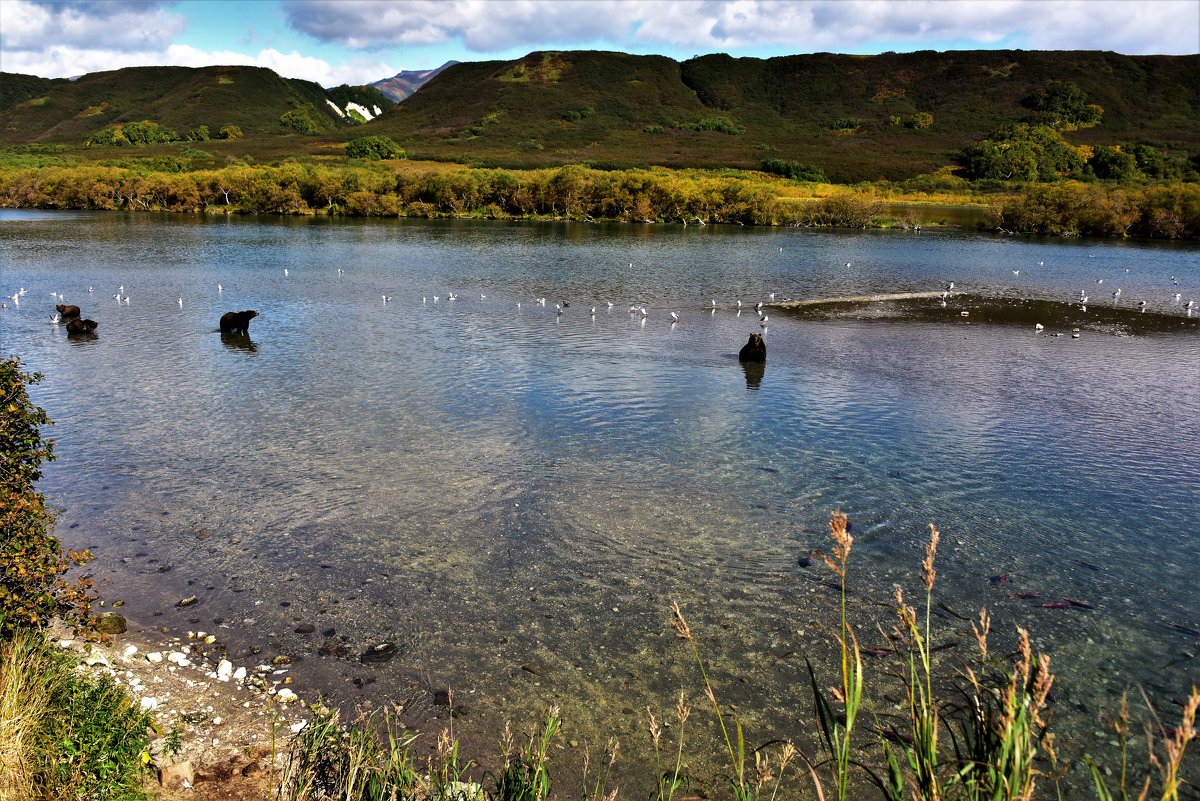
x=42, y=179
x=61, y=735
x=979, y=729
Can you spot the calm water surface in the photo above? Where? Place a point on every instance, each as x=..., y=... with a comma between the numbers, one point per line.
x=513, y=498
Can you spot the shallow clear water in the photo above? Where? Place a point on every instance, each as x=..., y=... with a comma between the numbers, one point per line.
x=514, y=498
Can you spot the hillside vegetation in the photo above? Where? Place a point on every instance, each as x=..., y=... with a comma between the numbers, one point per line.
x=179, y=98
x=848, y=118
x=853, y=117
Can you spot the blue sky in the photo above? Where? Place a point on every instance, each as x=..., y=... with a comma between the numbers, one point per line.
x=359, y=41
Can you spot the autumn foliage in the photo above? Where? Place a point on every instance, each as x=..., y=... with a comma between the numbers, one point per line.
x=33, y=584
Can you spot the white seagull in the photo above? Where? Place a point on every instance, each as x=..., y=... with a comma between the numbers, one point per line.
x=181, y=303
x=674, y=318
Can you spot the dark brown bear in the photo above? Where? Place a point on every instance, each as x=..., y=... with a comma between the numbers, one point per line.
x=67, y=311
x=753, y=351
x=237, y=322
x=78, y=326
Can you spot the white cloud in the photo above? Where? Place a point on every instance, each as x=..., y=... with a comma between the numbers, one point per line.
x=121, y=27
x=1162, y=26
x=67, y=62
x=481, y=26
x=789, y=26
x=63, y=39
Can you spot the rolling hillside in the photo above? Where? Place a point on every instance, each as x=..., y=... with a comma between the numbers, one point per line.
x=181, y=98
x=891, y=116
x=623, y=110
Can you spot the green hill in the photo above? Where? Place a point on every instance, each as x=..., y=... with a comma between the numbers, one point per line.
x=180, y=98
x=891, y=116
x=852, y=116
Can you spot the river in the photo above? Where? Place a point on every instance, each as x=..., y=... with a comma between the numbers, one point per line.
x=511, y=498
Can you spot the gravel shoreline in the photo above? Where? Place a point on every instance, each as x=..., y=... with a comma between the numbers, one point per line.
x=231, y=722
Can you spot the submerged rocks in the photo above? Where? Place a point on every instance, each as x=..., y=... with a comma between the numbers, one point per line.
x=381, y=652
x=110, y=623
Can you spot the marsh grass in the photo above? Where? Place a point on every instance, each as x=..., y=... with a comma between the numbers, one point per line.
x=745, y=784
x=366, y=761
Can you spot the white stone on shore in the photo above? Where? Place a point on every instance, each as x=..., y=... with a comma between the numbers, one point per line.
x=65, y=643
x=177, y=658
x=224, y=670
x=239, y=674
x=298, y=726
x=217, y=721
x=285, y=696
x=148, y=704
x=129, y=651
x=154, y=656
x=96, y=658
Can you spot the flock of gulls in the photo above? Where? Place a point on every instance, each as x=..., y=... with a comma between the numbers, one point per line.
x=637, y=310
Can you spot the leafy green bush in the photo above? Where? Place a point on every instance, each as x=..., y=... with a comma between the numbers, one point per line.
x=720, y=124
x=792, y=169
x=33, y=589
x=919, y=121
x=576, y=116
x=846, y=124
x=1063, y=103
x=133, y=133
x=230, y=132
x=301, y=121
x=374, y=148
x=1021, y=153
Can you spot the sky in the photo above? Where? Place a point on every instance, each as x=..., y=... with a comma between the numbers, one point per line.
x=360, y=41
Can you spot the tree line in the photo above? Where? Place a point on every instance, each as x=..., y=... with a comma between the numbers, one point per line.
x=412, y=189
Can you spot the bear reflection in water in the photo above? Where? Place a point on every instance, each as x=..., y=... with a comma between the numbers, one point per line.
x=242, y=342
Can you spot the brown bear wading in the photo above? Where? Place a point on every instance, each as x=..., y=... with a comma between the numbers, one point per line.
x=67, y=311
x=78, y=326
x=237, y=322
x=753, y=351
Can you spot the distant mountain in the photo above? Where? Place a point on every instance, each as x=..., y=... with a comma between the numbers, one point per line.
x=180, y=98
x=402, y=84
x=890, y=116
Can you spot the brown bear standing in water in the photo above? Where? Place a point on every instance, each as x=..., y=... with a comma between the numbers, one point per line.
x=753, y=351
x=78, y=326
x=237, y=322
x=67, y=311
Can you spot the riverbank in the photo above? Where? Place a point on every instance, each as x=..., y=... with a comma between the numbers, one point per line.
x=222, y=729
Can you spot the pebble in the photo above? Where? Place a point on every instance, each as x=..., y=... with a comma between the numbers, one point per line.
x=224, y=670
x=148, y=704
x=154, y=656
x=129, y=651
x=95, y=658
x=285, y=696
